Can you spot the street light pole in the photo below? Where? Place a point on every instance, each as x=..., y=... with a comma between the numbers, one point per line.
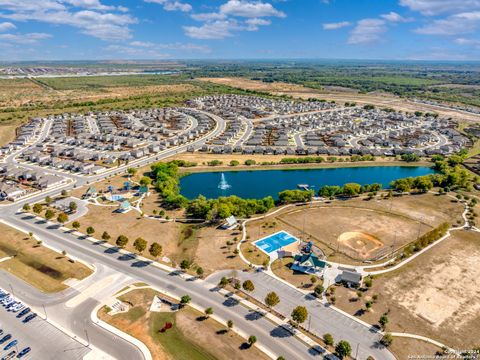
x=45, y=311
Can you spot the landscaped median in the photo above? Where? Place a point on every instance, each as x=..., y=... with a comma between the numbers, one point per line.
x=37, y=265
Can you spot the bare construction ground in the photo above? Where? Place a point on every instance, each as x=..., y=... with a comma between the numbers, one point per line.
x=436, y=295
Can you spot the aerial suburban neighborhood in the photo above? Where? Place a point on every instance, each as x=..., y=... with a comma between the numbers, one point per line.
x=239, y=179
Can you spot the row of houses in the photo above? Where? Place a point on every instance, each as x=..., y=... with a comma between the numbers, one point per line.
x=16, y=182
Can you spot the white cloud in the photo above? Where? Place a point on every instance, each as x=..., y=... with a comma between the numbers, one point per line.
x=218, y=29
x=208, y=16
x=468, y=42
x=171, y=5
x=456, y=24
x=367, y=31
x=255, y=23
x=395, y=18
x=436, y=7
x=230, y=18
x=5, y=26
x=250, y=9
x=336, y=25
x=92, y=20
x=28, y=38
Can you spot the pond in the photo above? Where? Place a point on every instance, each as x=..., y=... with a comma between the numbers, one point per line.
x=256, y=184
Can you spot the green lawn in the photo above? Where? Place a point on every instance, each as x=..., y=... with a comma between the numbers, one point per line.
x=173, y=341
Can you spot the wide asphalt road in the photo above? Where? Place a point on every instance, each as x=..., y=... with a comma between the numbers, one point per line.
x=203, y=295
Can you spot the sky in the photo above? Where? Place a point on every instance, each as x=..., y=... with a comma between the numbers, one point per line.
x=239, y=29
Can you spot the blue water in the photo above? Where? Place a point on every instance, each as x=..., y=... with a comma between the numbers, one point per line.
x=257, y=184
x=274, y=242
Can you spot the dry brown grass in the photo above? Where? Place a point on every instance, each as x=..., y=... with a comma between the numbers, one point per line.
x=435, y=295
x=37, y=265
x=405, y=349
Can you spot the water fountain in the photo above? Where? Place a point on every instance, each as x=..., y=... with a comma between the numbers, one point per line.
x=224, y=185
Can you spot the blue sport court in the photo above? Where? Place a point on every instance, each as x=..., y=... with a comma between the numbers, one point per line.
x=275, y=241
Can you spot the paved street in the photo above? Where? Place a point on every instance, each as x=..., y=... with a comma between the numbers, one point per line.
x=322, y=319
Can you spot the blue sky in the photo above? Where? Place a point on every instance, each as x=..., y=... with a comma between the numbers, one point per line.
x=239, y=29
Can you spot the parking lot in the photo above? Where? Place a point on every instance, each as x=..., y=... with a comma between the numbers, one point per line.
x=45, y=340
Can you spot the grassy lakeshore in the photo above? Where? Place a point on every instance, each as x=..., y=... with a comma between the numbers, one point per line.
x=226, y=167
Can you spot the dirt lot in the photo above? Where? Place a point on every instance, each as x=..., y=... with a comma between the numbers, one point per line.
x=188, y=339
x=379, y=99
x=436, y=295
x=37, y=265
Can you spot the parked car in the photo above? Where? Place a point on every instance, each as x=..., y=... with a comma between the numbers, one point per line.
x=10, y=355
x=23, y=312
x=5, y=338
x=10, y=345
x=29, y=317
x=23, y=352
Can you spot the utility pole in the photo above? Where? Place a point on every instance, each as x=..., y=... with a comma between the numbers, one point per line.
x=88, y=339
x=11, y=288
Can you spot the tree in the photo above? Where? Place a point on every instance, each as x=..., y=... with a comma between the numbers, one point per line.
x=90, y=230
x=72, y=206
x=64, y=253
x=248, y=285
x=48, y=200
x=343, y=349
x=140, y=244
x=49, y=214
x=234, y=163
x=131, y=171
x=185, y=299
x=76, y=225
x=299, y=314
x=155, y=249
x=37, y=208
x=229, y=324
x=26, y=207
x=122, y=241
x=369, y=304
x=351, y=189
x=106, y=236
x=313, y=279
x=272, y=299
x=208, y=312
x=252, y=339
x=319, y=289
x=387, y=340
x=383, y=321
x=185, y=264
x=145, y=181
x=223, y=282
x=200, y=271
x=62, y=218
x=368, y=282
x=328, y=339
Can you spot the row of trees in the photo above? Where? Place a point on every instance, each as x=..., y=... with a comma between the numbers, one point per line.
x=223, y=207
x=350, y=189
